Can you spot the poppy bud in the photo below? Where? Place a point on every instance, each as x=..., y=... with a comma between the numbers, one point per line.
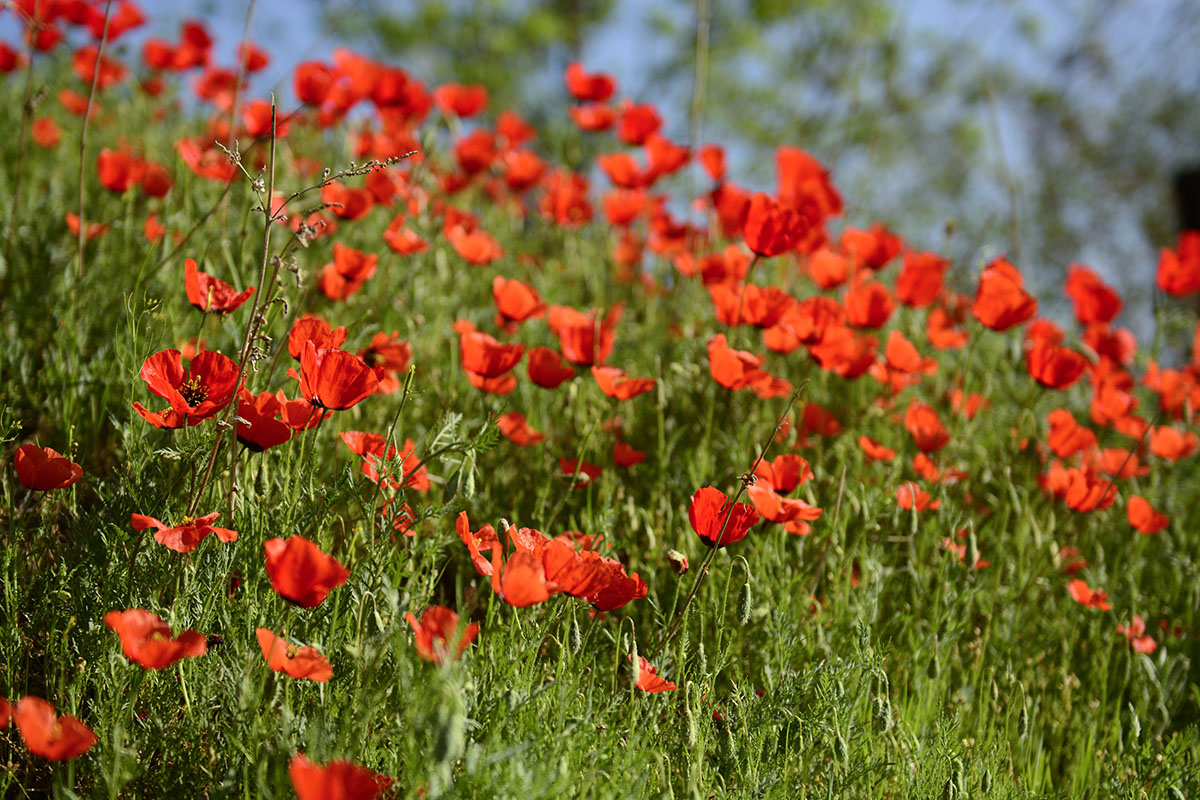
x=1135, y=725
x=958, y=775
x=576, y=636
x=972, y=550
x=744, y=605
x=985, y=782
x=678, y=561
x=882, y=714
x=949, y=790
x=1175, y=793
x=1023, y=722
x=701, y=661
x=841, y=750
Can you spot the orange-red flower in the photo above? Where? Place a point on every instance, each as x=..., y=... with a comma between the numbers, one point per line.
x=514, y=427
x=486, y=357
x=547, y=368
x=376, y=456
x=1135, y=632
x=438, y=635
x=625, y=455
x=335, y=379
x=479, y=542
x=1086, y=596
x=771, y=228
x=648, y=679
x=199, y=392
x=475, y=246
x=1143, y=516
x=874, y=451
x=1172, y=444
x=300, y=572
x=337, y=780
x=515, y=301
x=592, y=87
x=1001, y=300
x=296, y=662
x=1179, y=269
x=615, y=383
x=1054, y=366
x=316, y=330
x=923, y=424
x=44, y=469
x=733, y=369
x=910, y=496
x=147, y=640
x=388, y=355
x=583, y=338
x=1095, y=300
x=46, y=734
x=708, y=511
x=185, y=537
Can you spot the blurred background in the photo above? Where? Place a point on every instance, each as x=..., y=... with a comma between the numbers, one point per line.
x=1051, y=130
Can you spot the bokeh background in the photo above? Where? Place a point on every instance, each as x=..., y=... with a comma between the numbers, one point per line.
x=1055, y=131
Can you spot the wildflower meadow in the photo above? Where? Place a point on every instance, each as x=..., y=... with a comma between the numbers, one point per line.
x=358, y=444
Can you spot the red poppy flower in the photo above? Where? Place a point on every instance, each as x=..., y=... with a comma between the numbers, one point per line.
x=939, y=328
x=1179, y=269
x=774, y=507
x=337, y=780
x=45, y=132
x=1087, y=491
x=296, y=662
x=712, y=158
x=637, y=123
x=259, y=426
x=588, y=472
x=185, y=537
x=93, y=230
x=522, y=169
x=515, y=301
x=436, y=634
x=874, y=451
x=1144, y=517
x=346, y=202
x=733, y=369
x=1067, y=436
x=1086, y=596
x=335, y=379
x=746, y=303
x=869, y=304
x=547, y=368
x=648, y=679
x=404, y=241
x=312, y=81
x=707, y=513
x=595, y=87
x=388, y=356
x=462, y=101
x=521, y=580
x=200, y=392
x=147, y=640
x=211, y=294
x=1135, y=632
x=910, y=496
x=1172, y=444
x=584, y=339
x=592, y=116
x=1054, y=366
x=479, y=542
x=1001, y=300
x=771, y=228
x=486, y=357
x=44, y=469
x=6, y=712
x=374, y=456
x=118, y=170
x=46, y=734
x=516, y=429
x=921, y=279
x=615, y=383
x=625, y=455
x=299, y=414
x=923, y=424
x=316, y=330
x=347, y=273
x=1095, y=301
x=300, y=572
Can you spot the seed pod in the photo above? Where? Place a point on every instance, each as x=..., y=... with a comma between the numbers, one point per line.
x=949, y=790
x=744, y=605
x=985, y=782
x=882, y=714
x=972, y=550
x=841, y=750
x=1023, y=722
x=1135, y=725
x=576, y=636
x=958, y=774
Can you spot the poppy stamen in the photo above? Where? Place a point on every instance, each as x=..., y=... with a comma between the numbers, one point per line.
x=193, y=391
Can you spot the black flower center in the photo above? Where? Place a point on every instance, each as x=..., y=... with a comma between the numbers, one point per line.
x=194, y=391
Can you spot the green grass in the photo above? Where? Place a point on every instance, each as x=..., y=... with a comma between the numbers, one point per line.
x=925, y=679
